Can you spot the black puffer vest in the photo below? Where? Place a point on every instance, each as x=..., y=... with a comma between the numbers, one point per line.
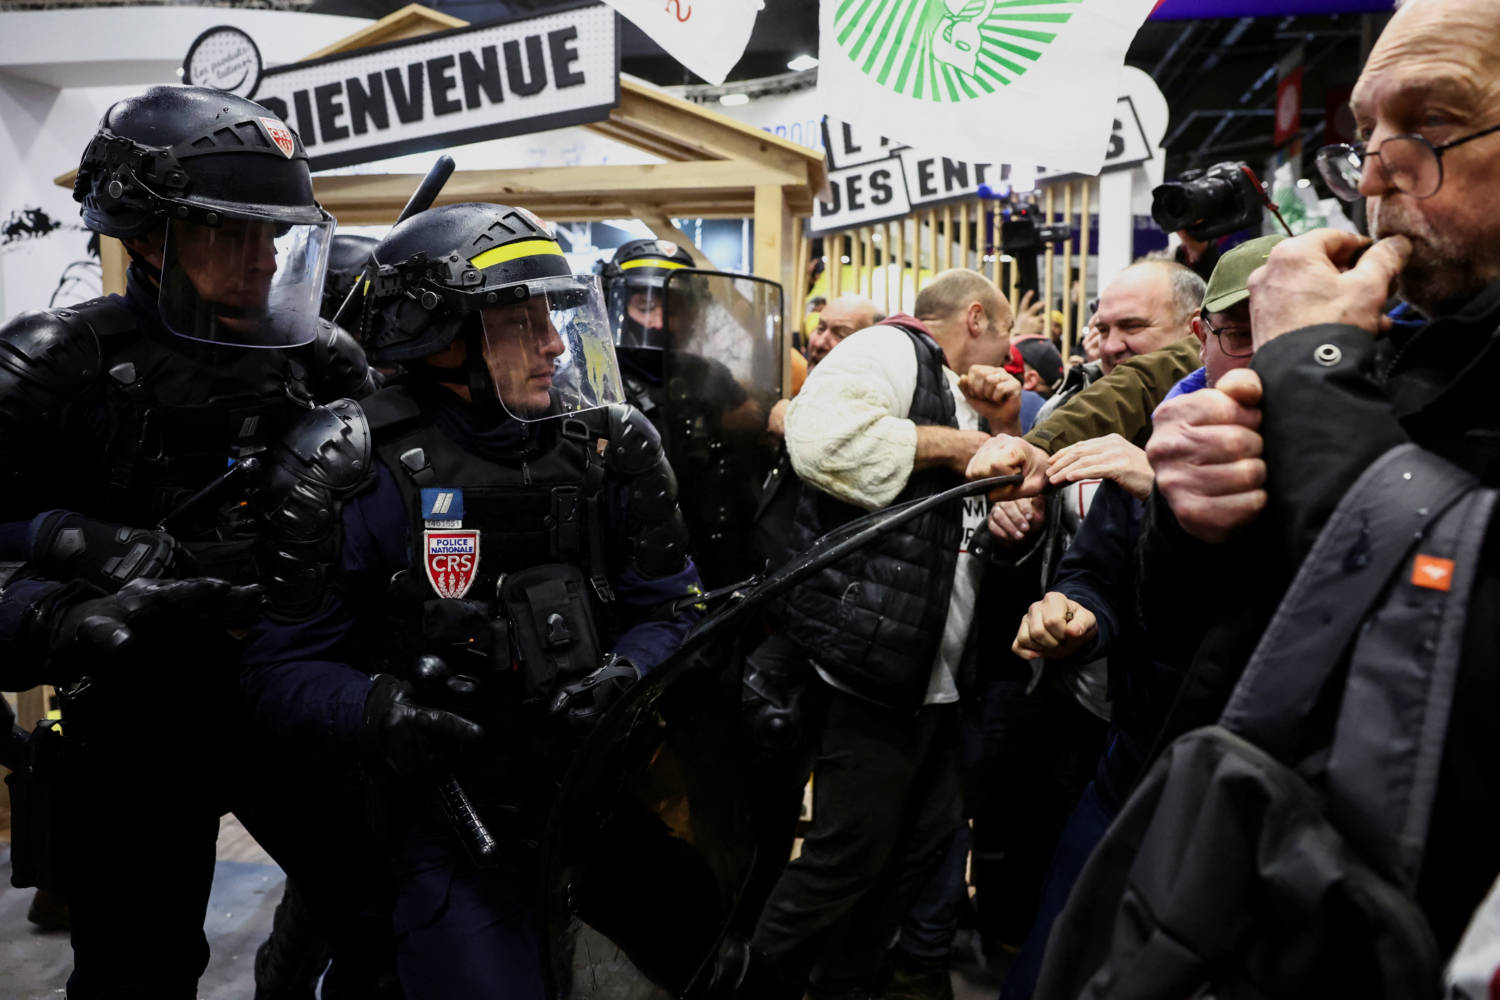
x=873, y=620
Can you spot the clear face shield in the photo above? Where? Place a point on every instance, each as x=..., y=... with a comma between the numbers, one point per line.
x=244, y=282
x=550, y=351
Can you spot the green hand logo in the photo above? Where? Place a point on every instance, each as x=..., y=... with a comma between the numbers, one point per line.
x=947, y=50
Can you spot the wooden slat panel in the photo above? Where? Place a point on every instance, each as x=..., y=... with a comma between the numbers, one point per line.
x=947, y=237
x=1048, y=261
x=833, y=252
x=932, y=239
x=1068, y=293
x=1085, y=239
x=857, y=257
x=901, y=265
x=963, y=234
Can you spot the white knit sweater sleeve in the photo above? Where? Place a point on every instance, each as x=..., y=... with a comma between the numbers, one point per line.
x=847, y=431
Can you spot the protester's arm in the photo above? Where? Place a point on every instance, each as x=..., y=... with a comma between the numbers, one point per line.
x=1120, y=402
x=847, y=431
x=1097, y=568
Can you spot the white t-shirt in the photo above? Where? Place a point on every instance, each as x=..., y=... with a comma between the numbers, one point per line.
x=848, y=434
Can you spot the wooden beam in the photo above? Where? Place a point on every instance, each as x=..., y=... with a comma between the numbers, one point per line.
x=774, y=249
x=661, y=225
x=411, y=21
x=113, y=261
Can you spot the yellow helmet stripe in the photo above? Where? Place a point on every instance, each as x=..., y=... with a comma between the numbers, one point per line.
x=661, y=262
x=515, y=251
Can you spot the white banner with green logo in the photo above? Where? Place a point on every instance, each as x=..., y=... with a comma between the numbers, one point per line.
x=1011, y=81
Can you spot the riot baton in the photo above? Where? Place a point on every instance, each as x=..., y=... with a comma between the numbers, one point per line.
x=421, y=200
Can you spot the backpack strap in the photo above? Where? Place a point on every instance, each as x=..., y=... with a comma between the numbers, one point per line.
x=1369, y=535
x=1388, y=742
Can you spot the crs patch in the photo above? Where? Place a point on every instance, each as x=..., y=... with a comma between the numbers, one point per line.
x=280, y=135
x=452, y=561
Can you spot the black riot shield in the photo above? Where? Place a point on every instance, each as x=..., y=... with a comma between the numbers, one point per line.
x=720, y=376
x=673, y=822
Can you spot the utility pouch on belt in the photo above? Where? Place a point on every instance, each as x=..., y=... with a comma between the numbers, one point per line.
x=470, y=626
x=556, y=640
x=38, y=792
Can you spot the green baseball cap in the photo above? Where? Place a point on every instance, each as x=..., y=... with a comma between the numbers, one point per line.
x=1228, y=286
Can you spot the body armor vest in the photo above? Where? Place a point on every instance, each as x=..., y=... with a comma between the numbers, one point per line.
x=506, y=558
x=178, y=435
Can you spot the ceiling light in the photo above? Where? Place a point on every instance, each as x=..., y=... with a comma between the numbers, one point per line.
x=733, y=100
x=801, y=63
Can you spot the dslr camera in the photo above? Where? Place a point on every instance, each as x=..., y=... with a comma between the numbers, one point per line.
x=1209, y=203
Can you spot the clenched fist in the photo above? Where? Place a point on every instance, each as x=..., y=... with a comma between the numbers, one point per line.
x=1206, y=449
x=1054, y=627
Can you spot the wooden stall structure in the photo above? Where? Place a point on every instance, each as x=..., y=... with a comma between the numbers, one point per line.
x=715, y=168
x=886, y=259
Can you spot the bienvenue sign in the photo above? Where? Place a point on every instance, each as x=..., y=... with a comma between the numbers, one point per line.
x=451, y=87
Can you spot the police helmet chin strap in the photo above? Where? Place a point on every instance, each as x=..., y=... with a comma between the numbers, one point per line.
x=482, y=395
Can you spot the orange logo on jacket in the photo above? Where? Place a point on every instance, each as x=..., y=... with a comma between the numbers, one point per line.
x=1432, y=573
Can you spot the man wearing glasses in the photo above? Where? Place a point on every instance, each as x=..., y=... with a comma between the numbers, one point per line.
x=1248, y=473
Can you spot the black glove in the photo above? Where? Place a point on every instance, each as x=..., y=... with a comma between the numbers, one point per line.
x=410, y=737
x=581, y=703
x=108, y=624
x=69, y=546
x=434, y=683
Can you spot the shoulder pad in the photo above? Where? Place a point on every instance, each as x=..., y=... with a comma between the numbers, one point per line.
x=54, y=352
x=329, y=446
x=338, y=364
x=634, y=444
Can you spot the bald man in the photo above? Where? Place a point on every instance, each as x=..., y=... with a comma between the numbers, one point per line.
x=839, y=318
x=1247, y=473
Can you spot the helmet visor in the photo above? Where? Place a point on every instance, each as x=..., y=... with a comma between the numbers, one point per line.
x=635, y=307
x=548, y=348
x=244, y=282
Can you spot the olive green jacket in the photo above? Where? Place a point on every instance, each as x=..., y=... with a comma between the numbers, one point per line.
x=1120, y=402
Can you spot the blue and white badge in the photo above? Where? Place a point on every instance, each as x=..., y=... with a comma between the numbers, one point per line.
x=443, y=507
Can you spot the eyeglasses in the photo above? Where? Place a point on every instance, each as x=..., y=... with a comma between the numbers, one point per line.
x=1409, y=163
x=1235, y=343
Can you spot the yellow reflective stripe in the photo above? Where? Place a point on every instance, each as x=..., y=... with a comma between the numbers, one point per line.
x=661, y=262
x=514, y=251
x=367, y=287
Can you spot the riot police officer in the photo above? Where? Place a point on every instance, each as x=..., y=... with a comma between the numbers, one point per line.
x=712, y=428
x=131, y=431
x=507, y=544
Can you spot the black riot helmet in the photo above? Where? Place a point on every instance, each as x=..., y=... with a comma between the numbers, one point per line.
x=633, y=282
x=347, y=256
x=493, y=277
x=224, y=185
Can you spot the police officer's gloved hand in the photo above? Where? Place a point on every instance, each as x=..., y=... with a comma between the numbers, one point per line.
x=110, y=623
x=581, y=703
x=435, y=683
x=772, y=693
x=70, y=547
x=411, y=737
